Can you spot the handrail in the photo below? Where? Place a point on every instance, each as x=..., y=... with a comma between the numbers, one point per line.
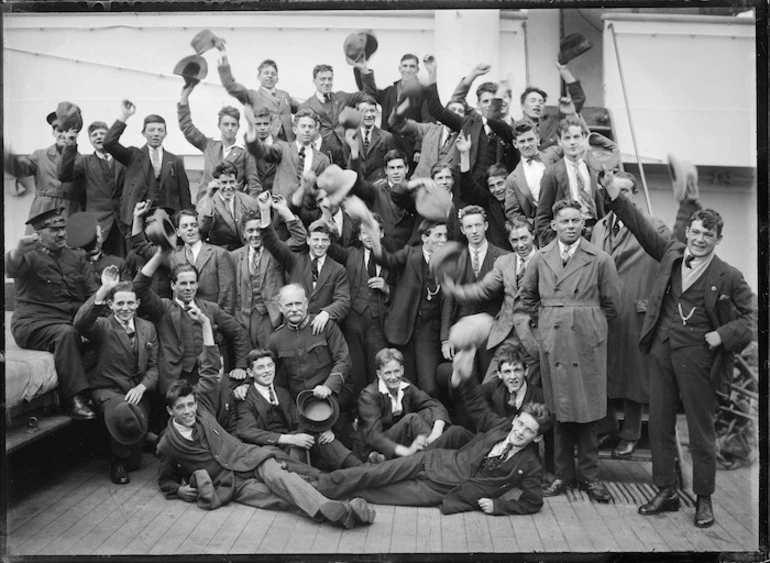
x=675, y=18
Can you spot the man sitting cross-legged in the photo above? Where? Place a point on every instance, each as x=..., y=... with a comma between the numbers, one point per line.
x=471, y=478
x=219, y=468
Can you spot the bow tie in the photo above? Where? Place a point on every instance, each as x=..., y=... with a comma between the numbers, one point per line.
x=530, y=159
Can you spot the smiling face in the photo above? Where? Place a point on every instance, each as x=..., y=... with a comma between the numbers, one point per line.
x=53, y=238
x=700, y=240
x=268, y=77
x=96, y=137
x=513, y=375
x=154, y=134
x=319, y=243
x=368, y=114
x=293, y=305
x=408, y=68
x=324, y=82
x=524, y=430
x=123, y=305
x=390, y=374
x=444, y=179
x=572, y=141
x=485, y=102
x=435, y=238
x=364, y=237
x=305, y=129
x=568, y=225
x=252, y=235
x=263, y=371
x=521, y=241
x=533, y=106
x=395, y=170
x=474, y=227
x=185, y=287
x=188, y=229
x=184, y=411
x=496, y=185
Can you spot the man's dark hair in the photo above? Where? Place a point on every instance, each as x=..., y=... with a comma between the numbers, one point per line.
x=426, y=226
x=528, y=90
x=263, y=112
x=394, y=154
x=471, y=210
x=710, y=219
x=184, y=213
x=122, y=286
x=180, y=388
x=623, y=175
x=540, y=413
x=366, y=99
x=484, y=87
x=509, y=355
x=410, y=56
x=225, y=167
x=250, y=215
x=181, y=269
x=565, y=204
x=518, y=223
x=439, y=166
x=497, y=170
x=572, y=121
x=97, y=125
x=258, y=354
x=152, y=118
x=228, y=111
x=523, y=126
x=266, y=63
x=321, y=68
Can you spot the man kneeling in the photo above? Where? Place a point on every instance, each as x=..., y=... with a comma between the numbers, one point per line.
x=471, y=478
x=220, y=468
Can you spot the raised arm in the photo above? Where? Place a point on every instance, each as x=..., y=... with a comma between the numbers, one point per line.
x=193, y=135
x=112, y=139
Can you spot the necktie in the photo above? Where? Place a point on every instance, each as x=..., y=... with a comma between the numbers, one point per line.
x=155, y=158
x=475, y=262
x=254, y=264
x=447, y=140
x=301, y=165
x=327, y=98
x=493, y=462
x=688, y=261
x=273, y=399
x=616, y=228
x=130, y=332
x=314, y=268
x=533, y=158
x=366, y=141
x=565, y=257
x=371, y=269
x=585, y=194
x=188, y=254
x=519, y=271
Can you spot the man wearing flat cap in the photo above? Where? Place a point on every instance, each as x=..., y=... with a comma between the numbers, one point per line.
x=51, y=283
x=127, y=368
x=151, y=171
x=50, y=192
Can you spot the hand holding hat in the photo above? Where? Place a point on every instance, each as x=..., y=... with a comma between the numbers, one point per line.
x=350, y=118
x=572, y=46
x=206, y=40
x=431, y=201
x=684, y=178
x=359, y=47
x=193, y=69
x=470, y=332
x=357, y=209
x=336, y=182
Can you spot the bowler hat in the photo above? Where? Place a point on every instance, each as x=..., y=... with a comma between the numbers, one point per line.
x=432, y=201
x=50, y=218
x=67, y=115
x=470, y=331
x=684, y=177
x=126, y=423
x=159, y=228
x=81, y=230
x=315, y=414
x=443, y=261
x=205, y=40
x=573, y=46
x=336, y=182
x=349, y=118
x=360, y=45
x=193, y=69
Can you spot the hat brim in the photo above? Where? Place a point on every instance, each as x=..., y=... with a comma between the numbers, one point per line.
x=315, y=414
x=110, y=420
x=159, y=229
x=443, y=261
x=471, y=331
x=192, y=68
x=572, y=47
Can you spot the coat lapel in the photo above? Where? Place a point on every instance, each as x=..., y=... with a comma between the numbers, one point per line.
x=176, y=318
x=220, y=206
x=521, y=181
x=147, y=166
x=203, y=256
x=714, y=279
x=122, y=335
x=323, y=275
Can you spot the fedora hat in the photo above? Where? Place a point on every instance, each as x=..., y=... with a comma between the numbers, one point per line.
x=126, y=423
x=471, y=331
x=432, y=201
x=573, y=46
x=443, y=261
x=684, y=177
x=315, y=414
x=336, y=182
x=81, y=230
x=159, y=228
x=205, y=40
x=67, y=115
x=350, y=118
x=359, y=45
x=601, y=153
x=193, y=69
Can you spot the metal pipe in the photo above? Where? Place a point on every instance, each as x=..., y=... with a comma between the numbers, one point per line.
x=630, y=121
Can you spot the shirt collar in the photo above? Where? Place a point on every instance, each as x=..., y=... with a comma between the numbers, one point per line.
x=106, y=156
x=196, y=246
x=300, y=145
x=183, y=430
x=231, y=202
x=481, y=249
x=130, y=323
x=572, y=247
x=321, y=260
x=180, y=303
x=265, y=391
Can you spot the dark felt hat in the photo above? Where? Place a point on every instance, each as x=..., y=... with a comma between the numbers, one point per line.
x=336, y=182
x=159, y=228
x=602, y=153
x=572, y=46
x=315, y=414
x=471, y=331
x=349, y=118
x=443, y=261
x=49, y=218
x=432, y=201
x=81, y=230
x=362, y=44
x=193, y=69
x=205, y=40
x=67, y=115
x=126, y=423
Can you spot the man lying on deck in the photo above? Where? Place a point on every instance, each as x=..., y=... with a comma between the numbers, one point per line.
x=472, y=478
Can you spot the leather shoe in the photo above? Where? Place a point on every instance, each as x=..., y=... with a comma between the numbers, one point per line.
x=704, y=513
x=557, y=487
x=118, y=473
x=597, y=491
x=79, y=410
x=665, y=501
x=624, y=448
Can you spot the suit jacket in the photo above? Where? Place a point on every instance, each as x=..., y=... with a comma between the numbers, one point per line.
x=376, y=415
x=372, y=162
x=216, y=274
x=139, y=183
x=335, y=153
x=473, y=193
x=329, y=112
x=100, y=182
x=451, y=311
x=280, y=103
x=497, y=396
x=263, y=173
x=519, y=201
x=273, y=278
x=96, y=268
x=50, y=192
x=332, y=291
x=213, y=151
x=398, y=223
x=167, y=316
x=553, y=187
x=252, y=417
x=218, y=225
x=118, y=365
x=286, y=157
x=729, y=301
x=353, y=258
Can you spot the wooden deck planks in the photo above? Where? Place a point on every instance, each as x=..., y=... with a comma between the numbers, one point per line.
x=503, y=534
x=156, y=528
x=231, y=529
x=280, y=533
x=429, y=532
x=477, y=535
x=208, y=528
x=254, y=532
x=403, y=536
x=453, y=533
x=379, y=533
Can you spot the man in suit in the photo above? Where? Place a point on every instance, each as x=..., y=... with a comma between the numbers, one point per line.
x=152, y=173
x=126, y=369
x=522, y=191
x=219, y=468
x=327, y=104
x=101, y=175
x=267, y=417
x=50, y=192
x=699, y=314
x=278, y=102
x=293, y=160
x=396, y=418
x=261, y=170
x=414, y=321
x=502, y=456
x=221, y=209
x=569, y=178
x=628, y=377
x=322, y=277
x=179, y=337
x=51, y=282
x=476, y=259
x=215, y=151
x=373, y=142
x=258, y=277
x=571, y=283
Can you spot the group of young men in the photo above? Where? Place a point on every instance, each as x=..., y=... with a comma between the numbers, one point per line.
x=279, y=282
